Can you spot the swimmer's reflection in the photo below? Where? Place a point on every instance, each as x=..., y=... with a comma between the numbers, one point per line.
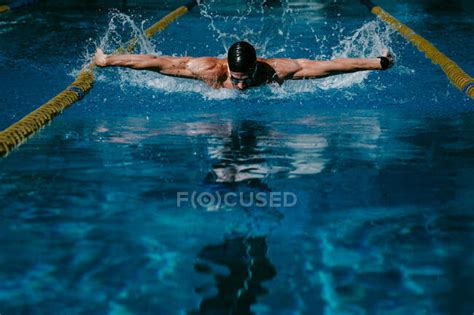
x=271, y=3
x=239, y=166
x=248, y=267
x=240, y=161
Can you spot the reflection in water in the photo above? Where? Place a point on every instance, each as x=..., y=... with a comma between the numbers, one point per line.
x=247, y=266
x=386, y=225
x=240, y=157
x=245, y=151
x=239, y=166
x=251, y=152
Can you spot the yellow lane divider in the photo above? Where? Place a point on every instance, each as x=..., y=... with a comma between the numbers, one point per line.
x=159, y=26
x=15, y=5
x=455, y=74
x=4, y=8
x=17, y=133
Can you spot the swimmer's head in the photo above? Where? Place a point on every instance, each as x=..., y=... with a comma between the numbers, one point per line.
x=242, y=57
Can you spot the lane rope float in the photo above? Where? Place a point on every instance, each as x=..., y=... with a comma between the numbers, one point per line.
x=458, y=77
x=20, y=131
x=15, y=5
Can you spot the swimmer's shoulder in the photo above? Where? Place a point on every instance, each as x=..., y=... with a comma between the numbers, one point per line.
x=279, y=68
x=200, y=64
x=269, y=70
x=211, y=70
x=272, y=64
x=206, y=61
x=269, y=61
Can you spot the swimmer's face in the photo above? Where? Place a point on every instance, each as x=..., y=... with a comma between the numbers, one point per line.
x=242, y=80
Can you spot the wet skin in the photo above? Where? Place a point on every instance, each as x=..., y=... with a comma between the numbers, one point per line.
x=215, y=71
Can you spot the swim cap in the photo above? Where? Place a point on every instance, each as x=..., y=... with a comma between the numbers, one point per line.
x=241, y=57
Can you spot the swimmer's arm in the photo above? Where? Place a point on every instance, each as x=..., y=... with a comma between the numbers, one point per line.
x=173, y=66
x=298, y=69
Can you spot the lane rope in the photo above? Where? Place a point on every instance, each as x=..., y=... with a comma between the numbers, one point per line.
x=15, y=5
x=4, y=8
x=20, y=131
x=458, y=77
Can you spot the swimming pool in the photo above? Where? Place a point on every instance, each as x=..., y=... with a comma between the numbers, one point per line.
x=381, y=165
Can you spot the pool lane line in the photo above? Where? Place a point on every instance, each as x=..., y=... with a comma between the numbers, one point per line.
x=458, y=77
x=20, y=131
x=4, y=8
x=15, y=5
x=159, y=26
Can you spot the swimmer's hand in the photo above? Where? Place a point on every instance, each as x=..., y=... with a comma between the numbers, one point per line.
x=100, y=59
x=386, y=59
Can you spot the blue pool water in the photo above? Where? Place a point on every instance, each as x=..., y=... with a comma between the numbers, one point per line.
x=381, y=165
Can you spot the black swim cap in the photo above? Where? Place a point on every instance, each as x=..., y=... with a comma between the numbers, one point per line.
x=241, y=57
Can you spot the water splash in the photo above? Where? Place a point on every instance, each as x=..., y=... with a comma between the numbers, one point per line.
x=232, y=24
x=121, y=29
x=367, y=41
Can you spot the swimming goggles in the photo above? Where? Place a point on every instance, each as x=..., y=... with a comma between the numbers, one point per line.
x=247, y=81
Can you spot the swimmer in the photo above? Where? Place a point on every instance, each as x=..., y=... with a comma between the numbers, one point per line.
x=242, y=69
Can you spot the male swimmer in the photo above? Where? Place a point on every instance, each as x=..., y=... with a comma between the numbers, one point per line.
x=242, y=69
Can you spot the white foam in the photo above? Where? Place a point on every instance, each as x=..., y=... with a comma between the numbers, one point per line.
x=172, y=85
